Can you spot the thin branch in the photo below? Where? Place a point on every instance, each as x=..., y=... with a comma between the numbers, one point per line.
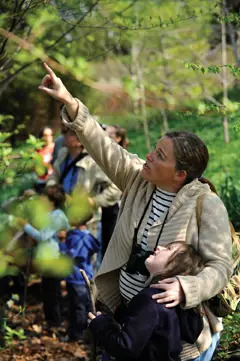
x=88, y=284
x=4, y=43
x=73, y=26
x=27, y=46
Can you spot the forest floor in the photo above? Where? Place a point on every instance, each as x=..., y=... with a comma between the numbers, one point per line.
x=38, y=342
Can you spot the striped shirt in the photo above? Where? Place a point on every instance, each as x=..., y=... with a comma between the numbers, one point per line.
x=131, y=284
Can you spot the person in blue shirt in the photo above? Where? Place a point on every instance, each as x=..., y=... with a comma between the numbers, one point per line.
x=144, y=329
x=80, y=245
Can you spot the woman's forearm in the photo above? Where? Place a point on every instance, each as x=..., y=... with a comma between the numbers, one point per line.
x=71, y=105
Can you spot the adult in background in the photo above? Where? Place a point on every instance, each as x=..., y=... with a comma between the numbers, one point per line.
x=59, y=142
x=75, y=167
x=45, y=153
x=109, y=214
x=158, y=206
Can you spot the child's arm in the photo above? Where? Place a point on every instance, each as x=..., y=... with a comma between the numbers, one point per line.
x=57, y=222
x=129, y=340
x=39, y=236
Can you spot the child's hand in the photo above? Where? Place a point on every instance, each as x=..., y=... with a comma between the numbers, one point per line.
x=91, y=316
x=21, y=222
x=62, y=235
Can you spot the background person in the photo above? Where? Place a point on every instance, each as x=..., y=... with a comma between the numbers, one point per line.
x=48, y=246
x=46, y=153
x=59, y=142
x=162, y=191
x=84, y=172
x=80, y=245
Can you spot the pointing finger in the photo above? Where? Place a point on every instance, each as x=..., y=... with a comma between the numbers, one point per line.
x=50, y=71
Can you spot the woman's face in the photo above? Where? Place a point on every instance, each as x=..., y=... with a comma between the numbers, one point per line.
x=157, y=262
x=47, y=136
x=160, y=166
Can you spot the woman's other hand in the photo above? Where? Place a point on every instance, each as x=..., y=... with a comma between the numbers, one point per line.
x=53, y=86
x=173, y=292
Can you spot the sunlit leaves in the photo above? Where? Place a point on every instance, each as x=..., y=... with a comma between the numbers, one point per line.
x=77, y=66
x=78, y=207
x=231, y=18
x=35, y=211
x=214, y=69
x=49, y=265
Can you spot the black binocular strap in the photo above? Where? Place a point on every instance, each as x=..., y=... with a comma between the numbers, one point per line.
x=68, y=167
x=141, y=219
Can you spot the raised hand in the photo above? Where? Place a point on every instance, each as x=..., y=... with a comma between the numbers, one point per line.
x=53, y=86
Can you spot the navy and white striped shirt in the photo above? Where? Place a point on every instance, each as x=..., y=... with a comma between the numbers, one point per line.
x=131, y=284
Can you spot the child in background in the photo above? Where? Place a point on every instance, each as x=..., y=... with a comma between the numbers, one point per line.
x=80, y=245
x=146, y=330
x=48, y=246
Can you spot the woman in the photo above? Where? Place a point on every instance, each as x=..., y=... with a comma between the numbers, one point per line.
x=46, y=153
x=158, y=206
x=149, y=331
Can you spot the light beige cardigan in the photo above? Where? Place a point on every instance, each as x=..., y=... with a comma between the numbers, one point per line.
x=212, y=240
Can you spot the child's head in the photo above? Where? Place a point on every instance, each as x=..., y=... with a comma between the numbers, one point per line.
x=177, y=258
x=56, y=195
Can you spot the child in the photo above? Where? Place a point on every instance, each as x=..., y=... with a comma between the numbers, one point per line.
x=147, y=330
x=81, y=246
x=48, y=246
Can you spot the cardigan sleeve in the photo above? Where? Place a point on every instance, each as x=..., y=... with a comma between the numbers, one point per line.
x=215, y=246
x=129, y=340
x=118, y=164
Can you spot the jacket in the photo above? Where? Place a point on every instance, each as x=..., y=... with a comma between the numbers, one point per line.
x=91, y=177
x=81, y=246
x=148, y=330
x=212, y=240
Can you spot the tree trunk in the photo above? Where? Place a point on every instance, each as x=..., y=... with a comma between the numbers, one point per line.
x=139, y=100
x=232, y=34
x=224, y=74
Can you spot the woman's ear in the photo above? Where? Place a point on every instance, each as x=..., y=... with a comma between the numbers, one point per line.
x=180, y=176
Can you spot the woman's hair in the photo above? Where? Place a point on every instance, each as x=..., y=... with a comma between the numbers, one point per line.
x=184, y=261
x=40, y=135
x=56, y=195
x=191, y=155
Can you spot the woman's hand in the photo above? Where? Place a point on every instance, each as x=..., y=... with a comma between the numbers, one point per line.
x=53, y=86
x=173, y=292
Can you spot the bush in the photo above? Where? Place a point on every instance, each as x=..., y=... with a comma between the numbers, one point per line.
x=230, y=195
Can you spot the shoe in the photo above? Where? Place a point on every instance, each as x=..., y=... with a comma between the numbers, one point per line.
x=64, y=338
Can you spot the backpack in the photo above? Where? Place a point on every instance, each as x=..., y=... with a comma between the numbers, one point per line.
x=228, y=300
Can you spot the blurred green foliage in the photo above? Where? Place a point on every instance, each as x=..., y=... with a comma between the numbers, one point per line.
x=230, y=337
x=230, y=194
x=78, y=206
